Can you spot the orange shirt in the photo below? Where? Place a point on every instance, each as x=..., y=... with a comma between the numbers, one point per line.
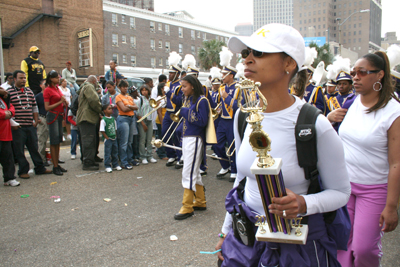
x=126, y=100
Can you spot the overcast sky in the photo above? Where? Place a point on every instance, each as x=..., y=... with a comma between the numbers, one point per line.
x=226, y=14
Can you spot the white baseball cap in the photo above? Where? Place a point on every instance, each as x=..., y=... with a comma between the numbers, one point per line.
x=272, y=38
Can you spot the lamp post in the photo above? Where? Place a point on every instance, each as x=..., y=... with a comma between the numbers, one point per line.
x=340, y=24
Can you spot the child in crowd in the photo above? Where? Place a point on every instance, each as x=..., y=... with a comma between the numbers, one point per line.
x=108, y=128
x=134, y=93
x=74, y=133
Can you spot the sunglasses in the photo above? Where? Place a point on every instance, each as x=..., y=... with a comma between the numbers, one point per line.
x=246, y=52
x=362, y=73
x=36, y=52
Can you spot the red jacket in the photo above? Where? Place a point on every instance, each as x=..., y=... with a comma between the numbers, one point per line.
x=5, y=127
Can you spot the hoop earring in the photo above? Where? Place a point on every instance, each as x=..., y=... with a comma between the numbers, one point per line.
x=380, y=86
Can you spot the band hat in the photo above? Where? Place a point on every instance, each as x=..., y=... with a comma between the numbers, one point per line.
x=192, y=70
x=272, y=38
x=229, y=69
x=344, y=76
x=34, y=49
x=216, y=81
x=331, y=83
x=395, y=76
x=174, y=68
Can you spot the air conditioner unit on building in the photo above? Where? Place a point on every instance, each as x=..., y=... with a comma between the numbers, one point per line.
x=133, y=64
x=114, y=43
x=153, y=48
x=114, y=23
x=152, y=65
x=133, y=27
x=166, y=33
x=152, y=30
x=133, y=46
x=167, y=50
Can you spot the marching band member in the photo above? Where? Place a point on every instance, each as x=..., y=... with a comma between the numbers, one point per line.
x=196, y=118
x=228, y=98
x=216, y=78
x=272, y=56
x=174, y=103
x=344, y=99
x=331, y=84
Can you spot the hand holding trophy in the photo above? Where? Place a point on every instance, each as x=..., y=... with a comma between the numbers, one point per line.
x=267, y=170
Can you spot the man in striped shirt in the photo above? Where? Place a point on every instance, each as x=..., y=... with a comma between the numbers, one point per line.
x=26, y=114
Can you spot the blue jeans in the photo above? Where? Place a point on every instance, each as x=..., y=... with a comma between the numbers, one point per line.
x=145, y=147
x=125, y=126
x=135, y=147
x=110, y=153
x=73, y=88
x=74, y=141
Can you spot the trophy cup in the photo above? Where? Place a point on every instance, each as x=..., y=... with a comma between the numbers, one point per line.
x=267, y=170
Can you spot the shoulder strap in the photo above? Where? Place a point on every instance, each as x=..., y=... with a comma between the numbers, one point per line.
x=242, y=123
x=306, y=144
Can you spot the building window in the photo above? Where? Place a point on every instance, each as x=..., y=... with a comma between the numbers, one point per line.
x=152, y=44
x=167, y=46
x=359, y=32
x=114, y=39
x=166, y=62
x=152, y=26
x=226, y=39
x=114, y=19
x=359, y=40
x=166, y=29
x=198, y=34
x=123, y=19
x=132, y=23
x=180, y=48
x=204, y=36
x=160, y=27
x=124, y=58
x=160, y=62
x=153, y=62
x=133, y=61
x=133, y=41
x=301, y=28
x=124, y=39
x=193, y=34
x=160, y=44
x=193, y=50
x=180, y=29
x=115, y=57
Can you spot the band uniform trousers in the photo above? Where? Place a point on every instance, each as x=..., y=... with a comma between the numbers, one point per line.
x=43, y=135
x=225, y=135
x=88, y=142
x=7, y=160
x=192, y=156
x=27, y=136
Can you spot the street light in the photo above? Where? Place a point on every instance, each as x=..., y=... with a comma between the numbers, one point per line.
x=340, y=24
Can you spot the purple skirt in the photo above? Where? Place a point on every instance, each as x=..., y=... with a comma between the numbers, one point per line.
x=320, y=249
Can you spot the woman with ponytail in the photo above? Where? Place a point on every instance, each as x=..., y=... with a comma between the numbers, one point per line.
x=370, y=132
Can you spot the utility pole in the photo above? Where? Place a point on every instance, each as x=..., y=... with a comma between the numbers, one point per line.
x=1, y=56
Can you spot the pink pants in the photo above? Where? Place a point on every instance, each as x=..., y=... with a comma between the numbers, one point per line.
x=365, y=207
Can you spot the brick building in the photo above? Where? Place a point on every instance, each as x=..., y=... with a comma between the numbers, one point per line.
x=141, y=38
x=63, y=30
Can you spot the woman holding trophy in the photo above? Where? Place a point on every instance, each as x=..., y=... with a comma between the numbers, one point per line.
x=273, y=55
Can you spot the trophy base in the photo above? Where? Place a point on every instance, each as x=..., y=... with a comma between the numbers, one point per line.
x=273, y=170
x=284, y=238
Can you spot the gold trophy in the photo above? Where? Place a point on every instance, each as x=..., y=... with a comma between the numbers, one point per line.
x=267, y=170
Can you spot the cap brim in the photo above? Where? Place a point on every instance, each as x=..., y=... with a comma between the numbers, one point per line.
x=237, y=43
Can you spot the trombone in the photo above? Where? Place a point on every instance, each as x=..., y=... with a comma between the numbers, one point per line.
x=175, y=116
x=229, y=148
x=154, y=104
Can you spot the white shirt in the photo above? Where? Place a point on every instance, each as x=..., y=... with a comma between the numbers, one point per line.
x=331, y=165
x=67, y=94
x=5, y=86
x=365, y=141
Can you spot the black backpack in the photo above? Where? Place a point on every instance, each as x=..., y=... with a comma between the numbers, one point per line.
x=74, y=104
x=338, y=221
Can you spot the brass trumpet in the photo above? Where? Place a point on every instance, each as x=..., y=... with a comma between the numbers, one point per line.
x=175, y=117
x=154, y=103
x=214, y=112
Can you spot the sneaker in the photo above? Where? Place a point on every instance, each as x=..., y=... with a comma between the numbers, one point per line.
x=118, y=168
x=153, y=160
x=144, y=162
x=12, y=183
x=170, y=162
x=203, y=173
x=214, y=155
x=73, y=157
x=128, y=167
x=69, y=137
x=179, y=164
x=232, y=178
x=109, y=169
x=63, y=139
x=135, y=163
x=222, y=173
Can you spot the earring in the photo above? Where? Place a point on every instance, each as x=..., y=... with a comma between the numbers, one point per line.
x=287, y=72
x=380, y=86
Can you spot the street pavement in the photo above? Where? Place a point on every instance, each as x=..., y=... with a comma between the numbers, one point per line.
x=132, y=229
